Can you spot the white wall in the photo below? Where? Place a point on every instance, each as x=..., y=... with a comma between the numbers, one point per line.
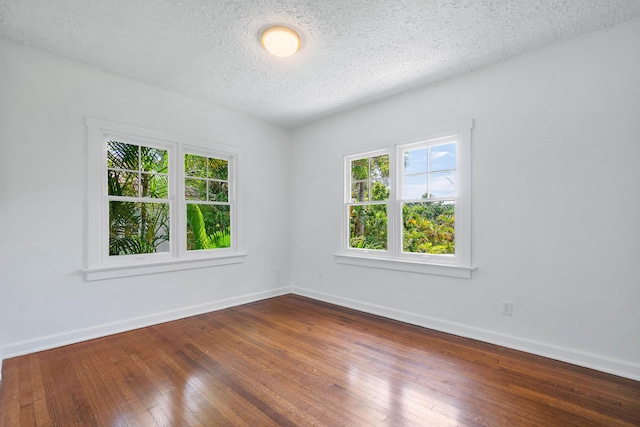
x=556, y=203
x=44, y=299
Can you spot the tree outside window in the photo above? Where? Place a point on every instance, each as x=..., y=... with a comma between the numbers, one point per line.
x=208, y=210
x=368, y=207
x=138, y=193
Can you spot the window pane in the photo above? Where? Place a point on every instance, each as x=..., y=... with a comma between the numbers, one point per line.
x=120, y=183
x=368, y=227
x=195, y=165
x=208, y=226
x=138, y=228
x=360, y=169
x=380, y=189
x=122, y=156
x=415, y=187
x=360, y=192
x=218, y=169
x=195, y=189
x=154, y=160
x=428, y=227
x=380, y=167
x=154, y=185
x=442, y=184
x=415, y=161
x=442, y=157
x=218, y=191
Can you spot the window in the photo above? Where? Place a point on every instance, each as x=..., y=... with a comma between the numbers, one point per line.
x=208, y=209
x=159, y=202
x=369, y=202
x=138, y=198
x=407, y=206
x=428, y=196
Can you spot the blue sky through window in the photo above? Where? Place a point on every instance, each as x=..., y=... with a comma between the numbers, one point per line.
x=442, y=157
x=430, y=170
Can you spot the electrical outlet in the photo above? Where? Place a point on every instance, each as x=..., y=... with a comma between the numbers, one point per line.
x=278, y=273
x=507, y=308
x=321, y=276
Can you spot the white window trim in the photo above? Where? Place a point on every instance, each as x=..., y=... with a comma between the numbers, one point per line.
x=453, y=266
x=347, y=197
x=99, y=264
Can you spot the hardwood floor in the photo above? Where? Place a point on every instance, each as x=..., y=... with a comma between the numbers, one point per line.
x=293, y=361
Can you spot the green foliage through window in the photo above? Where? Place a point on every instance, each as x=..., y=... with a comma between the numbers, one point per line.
x=138, y=228
x=429, y=173
x=368, y=227
x=208, y=227
x=209, y=220
x=370, y=179
x=137, y=173
x=428, y=227
x=368, y=212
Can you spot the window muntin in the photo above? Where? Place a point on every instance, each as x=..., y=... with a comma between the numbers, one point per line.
x=368, y=206
x=208, y=205
x=138, y=198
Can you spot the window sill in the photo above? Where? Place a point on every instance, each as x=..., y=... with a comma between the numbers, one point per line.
x=463, y=272
x=125, y=270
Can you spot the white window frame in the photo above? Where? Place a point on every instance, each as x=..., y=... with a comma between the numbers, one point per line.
x=349, y=202
x=458, y=265
x=232, y=179
x=100, y=265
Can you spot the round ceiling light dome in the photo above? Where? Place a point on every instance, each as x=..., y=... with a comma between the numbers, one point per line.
x=280, y=41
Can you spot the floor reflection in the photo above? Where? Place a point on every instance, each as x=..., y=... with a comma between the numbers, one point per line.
x=405, y=400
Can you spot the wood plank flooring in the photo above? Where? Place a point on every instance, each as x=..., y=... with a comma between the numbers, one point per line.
x=293, y=361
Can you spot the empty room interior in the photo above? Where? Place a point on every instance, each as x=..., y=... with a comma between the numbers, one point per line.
x=405, y=213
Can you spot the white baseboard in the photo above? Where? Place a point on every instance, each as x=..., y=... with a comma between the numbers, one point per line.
x=576, y=357
x=71, y=337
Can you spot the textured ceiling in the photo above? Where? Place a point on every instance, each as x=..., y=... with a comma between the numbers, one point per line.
x=353, y=51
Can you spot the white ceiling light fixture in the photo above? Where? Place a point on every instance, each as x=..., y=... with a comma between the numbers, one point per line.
x=280, y=41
